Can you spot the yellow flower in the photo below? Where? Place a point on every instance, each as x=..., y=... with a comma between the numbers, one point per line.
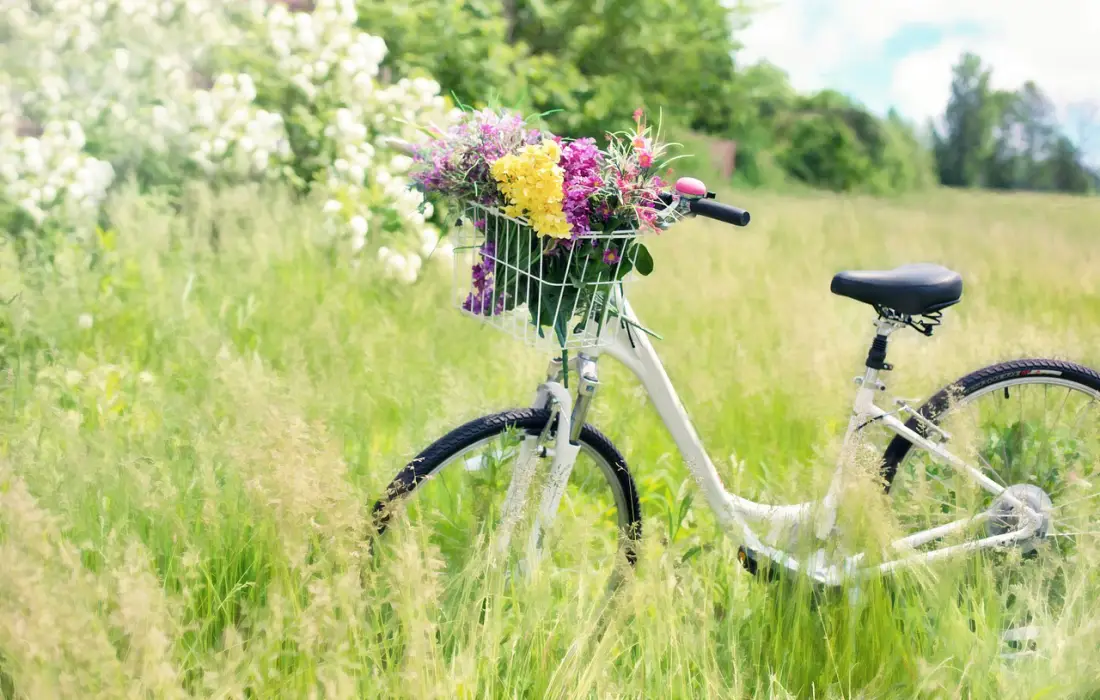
x=531, y=182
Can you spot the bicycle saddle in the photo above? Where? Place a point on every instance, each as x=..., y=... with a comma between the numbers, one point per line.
x=914, y=290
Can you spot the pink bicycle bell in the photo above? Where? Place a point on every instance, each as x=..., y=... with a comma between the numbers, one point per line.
x=691, y=187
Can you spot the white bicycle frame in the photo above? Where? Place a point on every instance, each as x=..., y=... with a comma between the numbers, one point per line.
x=739, y=516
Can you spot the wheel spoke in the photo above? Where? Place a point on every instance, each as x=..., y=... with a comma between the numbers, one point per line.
x=1082, y=499
x=1044, y=440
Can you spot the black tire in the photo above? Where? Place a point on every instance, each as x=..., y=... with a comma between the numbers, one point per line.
x=937, y=407
x=533, y=422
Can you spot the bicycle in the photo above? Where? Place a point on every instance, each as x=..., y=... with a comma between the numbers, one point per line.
x=1009, y=480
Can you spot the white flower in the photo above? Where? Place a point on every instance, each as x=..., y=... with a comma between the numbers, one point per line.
x=412, y=268
x=84, y=321
x=332, y=206
x=145, y=377
x=248, y=88
x=358, y=225
x=122, y=59
x=75, y=134
x=358, y=242
x=205, y=115
x=395, y=265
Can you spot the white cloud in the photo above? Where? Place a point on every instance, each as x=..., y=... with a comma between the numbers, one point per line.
x=1056, y=43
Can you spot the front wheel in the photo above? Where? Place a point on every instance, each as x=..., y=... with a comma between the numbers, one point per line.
x=452, y=495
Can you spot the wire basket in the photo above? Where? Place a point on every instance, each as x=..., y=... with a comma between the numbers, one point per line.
x=545, y=292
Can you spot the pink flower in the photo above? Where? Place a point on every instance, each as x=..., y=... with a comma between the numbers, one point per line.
x=648, y=218
x=645, y=159
x=638, y=114
x=639, y=142
x=610, y=256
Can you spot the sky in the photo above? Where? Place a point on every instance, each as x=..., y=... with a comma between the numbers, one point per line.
x=899, y=53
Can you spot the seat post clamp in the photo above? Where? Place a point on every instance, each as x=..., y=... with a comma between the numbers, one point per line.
x=876, y=356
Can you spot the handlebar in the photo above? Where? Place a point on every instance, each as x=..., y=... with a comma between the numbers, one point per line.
x=710, y=209
x=719, y=212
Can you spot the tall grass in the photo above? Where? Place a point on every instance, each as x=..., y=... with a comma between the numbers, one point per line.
x=185, y=482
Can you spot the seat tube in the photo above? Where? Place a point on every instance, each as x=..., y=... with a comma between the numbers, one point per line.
x=863, y=407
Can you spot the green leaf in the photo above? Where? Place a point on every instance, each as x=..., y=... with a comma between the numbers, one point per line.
x=643, y=261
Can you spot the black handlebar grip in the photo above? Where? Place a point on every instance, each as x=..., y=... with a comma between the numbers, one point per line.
x=719, y=212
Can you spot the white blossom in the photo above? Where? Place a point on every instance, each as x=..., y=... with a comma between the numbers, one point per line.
x=124, y=67
x=358, y=225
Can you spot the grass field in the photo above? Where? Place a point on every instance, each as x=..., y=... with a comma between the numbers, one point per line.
x=191, y=440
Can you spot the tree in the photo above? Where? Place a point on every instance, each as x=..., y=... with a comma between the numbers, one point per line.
x=831, y=143
x=592, y=63
x=1005, y=167
x=1066, y=168
x=1040, y=133
x=963, y=146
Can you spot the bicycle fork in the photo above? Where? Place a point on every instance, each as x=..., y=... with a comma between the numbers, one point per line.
x=570, y=416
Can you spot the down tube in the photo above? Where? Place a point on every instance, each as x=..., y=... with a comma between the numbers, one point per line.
x=642, y=360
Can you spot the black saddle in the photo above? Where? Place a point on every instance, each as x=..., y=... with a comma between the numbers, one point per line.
x=911, y=290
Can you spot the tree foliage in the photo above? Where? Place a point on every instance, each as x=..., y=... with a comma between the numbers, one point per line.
x=593, y=62
x=1009, y=140
x=590, y=63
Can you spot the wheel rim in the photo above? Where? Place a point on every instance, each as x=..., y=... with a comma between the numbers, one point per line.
x=457, y=512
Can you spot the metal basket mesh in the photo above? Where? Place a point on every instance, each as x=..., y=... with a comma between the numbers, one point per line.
x=563, y=299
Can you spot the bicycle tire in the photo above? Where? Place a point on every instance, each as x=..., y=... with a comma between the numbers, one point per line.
x=937, y=407
x=532, y=422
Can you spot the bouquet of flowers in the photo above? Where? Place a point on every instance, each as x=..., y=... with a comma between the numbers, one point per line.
x=556, y=221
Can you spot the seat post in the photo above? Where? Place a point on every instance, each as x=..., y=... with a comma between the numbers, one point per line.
x=876, y=356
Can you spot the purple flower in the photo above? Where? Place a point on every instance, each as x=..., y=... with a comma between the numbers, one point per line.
x=480, y=301
x=580, y=160
x=611, y=256
x=604, y=210
x=456, y=164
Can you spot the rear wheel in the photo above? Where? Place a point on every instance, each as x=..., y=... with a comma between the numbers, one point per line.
x=452, y=494
x=1033, y=427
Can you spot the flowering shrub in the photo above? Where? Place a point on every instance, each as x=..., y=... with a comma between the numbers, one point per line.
x=292, y=97
x=573, y=213
x=49, y=178
x=324, y=80
x=231, y=136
